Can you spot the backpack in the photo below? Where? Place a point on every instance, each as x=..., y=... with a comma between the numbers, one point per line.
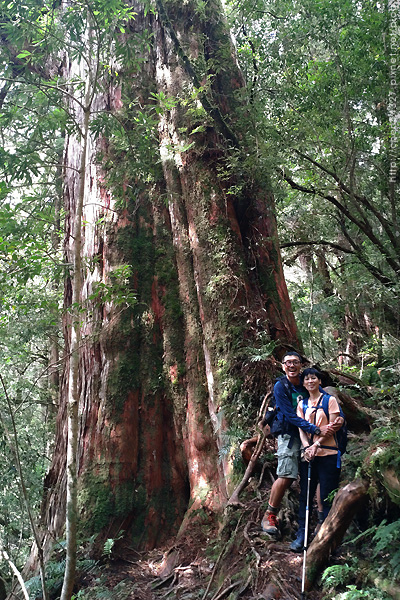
x=276, y=426
x=341, y=435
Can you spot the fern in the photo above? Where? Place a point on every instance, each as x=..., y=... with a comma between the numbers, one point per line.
x=337, y=575
x=122, y=591
x=55, y=576
x=387, y=541
x=366, y=594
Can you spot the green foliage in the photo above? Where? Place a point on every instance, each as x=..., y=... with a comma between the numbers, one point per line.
x=233, y=437
x=386, y=544
x=354, y=593
x=337, y=575
x=99, y=591
x=54, y=577
x=326, y=135
x=117, y=291
x=343, y=576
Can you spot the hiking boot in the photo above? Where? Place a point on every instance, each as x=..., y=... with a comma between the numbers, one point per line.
x=270, y=524
x=298, y=544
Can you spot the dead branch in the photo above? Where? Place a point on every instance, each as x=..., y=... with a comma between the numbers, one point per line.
x=234, y=499
x=345, y=505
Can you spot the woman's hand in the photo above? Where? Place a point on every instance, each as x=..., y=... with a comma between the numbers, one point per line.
x=310, y=452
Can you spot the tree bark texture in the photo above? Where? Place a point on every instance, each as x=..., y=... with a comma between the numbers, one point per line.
x=348, y=500
x=158, y=380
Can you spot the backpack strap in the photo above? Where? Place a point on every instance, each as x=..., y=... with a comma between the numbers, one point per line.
x=325, y=406
x=287, y=385
x=323, y=403
x=305, y=407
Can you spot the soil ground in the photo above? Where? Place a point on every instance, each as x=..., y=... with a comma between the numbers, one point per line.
x=236, y=560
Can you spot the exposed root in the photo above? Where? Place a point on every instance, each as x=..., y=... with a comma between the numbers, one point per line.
x=230, y=540
x=254, y=551
x=227, y=590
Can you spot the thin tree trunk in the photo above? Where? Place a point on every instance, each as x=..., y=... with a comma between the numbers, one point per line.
x=13, y=441
x=73, y=378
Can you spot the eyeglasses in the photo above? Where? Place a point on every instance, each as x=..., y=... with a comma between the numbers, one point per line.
x=292, y=363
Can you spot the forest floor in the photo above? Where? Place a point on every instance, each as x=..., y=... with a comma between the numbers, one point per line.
x=236, y=560
x=277, y=575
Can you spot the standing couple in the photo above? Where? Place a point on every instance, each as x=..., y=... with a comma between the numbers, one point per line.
x=298, y=398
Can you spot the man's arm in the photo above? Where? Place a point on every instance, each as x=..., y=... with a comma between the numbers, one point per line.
x=284, y=404
x=335, y=420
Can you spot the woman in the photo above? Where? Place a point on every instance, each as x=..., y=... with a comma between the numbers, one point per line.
x=321, y=451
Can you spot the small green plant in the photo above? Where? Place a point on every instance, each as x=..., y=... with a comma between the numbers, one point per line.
x=386, y=542
x=262, y=350
x=109, y=545
x=337, y=575
x=353, y=593
x=99, y=591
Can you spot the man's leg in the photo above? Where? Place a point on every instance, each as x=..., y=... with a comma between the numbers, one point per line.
x=287, y=471
x=269, y=522
x=278, y=490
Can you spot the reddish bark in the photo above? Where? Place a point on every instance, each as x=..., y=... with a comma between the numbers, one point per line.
x=205, y=270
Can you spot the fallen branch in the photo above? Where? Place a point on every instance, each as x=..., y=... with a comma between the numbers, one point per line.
x=234, y=499
x=328, y=538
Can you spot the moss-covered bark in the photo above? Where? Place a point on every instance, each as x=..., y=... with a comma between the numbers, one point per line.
x=159, y=380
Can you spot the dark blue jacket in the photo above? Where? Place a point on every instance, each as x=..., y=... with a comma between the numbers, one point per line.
x=286, y=413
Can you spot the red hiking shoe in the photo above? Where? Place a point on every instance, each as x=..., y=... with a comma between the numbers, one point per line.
x=270, y=523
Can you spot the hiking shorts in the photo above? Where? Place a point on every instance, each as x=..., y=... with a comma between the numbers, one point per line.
x=288, y=458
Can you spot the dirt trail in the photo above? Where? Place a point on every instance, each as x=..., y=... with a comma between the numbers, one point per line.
x=250, y=566
x=214, y=562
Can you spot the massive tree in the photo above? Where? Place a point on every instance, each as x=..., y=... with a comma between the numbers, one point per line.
x=174, y=264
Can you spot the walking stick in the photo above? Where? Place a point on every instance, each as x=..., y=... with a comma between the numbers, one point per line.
x=303, y=579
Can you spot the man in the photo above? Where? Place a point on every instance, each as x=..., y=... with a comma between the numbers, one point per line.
x=288, y=391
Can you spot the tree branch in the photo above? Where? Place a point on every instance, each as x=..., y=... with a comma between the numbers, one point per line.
x=361, y=199
x=317, y=243
x=364, y=227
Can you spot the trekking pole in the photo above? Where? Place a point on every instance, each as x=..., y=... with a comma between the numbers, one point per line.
x=303, y=579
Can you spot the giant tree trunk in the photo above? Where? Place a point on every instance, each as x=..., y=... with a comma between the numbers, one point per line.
x=159, y=380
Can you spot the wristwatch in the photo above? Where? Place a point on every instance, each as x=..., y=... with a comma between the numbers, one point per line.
x=317, y=431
